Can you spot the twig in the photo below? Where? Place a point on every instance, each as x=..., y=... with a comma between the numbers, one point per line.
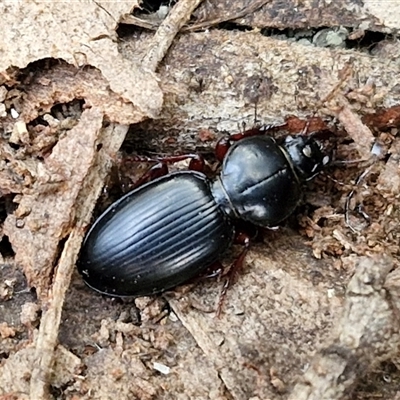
x=46, y=341
x=47, y=338
x=152, y=25
x=167, y=31
x=254, y=6
x=354, y=126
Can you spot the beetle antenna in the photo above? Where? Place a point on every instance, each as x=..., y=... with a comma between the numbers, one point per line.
x=340, y=163
x=332, y=178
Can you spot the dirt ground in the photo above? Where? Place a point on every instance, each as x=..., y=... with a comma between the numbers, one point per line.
x=84, y=89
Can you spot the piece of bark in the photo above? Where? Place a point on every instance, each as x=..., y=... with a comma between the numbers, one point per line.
x=307, y=14
x=301, y=16
x=36, y=236
x=280, y=308
x=81, y=34
x=60, y=207
x=367, y=333
x=218, y=80
x=17, y=370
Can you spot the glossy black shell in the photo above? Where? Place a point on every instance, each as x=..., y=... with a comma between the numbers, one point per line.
x=260, y=182
x=156, y=237
x=169, y=230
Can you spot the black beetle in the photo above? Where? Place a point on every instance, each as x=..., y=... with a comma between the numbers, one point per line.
x=169, y=230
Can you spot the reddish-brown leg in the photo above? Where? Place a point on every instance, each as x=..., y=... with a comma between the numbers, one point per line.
x=196, y=160
x=156, y=171
x=231, y=276
x=161, y=168
x=216, y=269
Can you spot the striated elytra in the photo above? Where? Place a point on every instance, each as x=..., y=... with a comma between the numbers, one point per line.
x=168, y=231
x=156, y=237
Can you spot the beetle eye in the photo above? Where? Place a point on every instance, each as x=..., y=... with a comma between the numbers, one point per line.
x=307, y=151
x=325, y=160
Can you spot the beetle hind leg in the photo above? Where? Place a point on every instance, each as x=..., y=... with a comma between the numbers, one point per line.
x=234, y=269
x=156, y=171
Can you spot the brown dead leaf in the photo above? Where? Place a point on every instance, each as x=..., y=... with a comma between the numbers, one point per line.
x=384, y=119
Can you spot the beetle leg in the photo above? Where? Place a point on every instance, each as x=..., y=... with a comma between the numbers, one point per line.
x=197, y=162
x=222, y=148
x=237, y=265
x=216, y=269
x=160, y=169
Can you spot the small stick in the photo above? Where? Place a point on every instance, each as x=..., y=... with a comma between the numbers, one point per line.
x=167, y=31
x=254, y=6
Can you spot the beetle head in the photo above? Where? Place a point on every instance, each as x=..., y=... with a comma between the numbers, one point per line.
x=306, y=155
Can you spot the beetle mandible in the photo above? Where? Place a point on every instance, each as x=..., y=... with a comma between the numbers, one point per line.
x=169, y=230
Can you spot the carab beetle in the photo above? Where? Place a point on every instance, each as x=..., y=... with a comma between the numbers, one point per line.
x=169, y=230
